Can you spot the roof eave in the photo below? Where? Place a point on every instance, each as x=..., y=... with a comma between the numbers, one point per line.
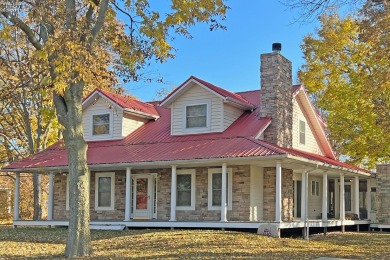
x=141, y=114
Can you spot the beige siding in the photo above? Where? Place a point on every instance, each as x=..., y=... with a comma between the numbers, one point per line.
x=314, y=202
x=311, y=144
x=256, y=194
x=131, y=123
x=230, y=114
x=197, y=95
x=101, y=106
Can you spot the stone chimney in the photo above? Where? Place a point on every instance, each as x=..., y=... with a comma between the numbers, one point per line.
x=276, y=96
x=383, y=193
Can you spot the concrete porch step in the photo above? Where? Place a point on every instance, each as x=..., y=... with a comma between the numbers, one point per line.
x=107, y=226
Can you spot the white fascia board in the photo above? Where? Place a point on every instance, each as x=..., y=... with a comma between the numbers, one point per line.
x=316, y=121
x=333, y=167
x=182, y=88
x=140, y=114
x=167, y=164
x=102, y=96
x=262, y=130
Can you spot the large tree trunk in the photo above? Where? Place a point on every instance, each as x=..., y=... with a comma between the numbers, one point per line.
x=69, y=112
x=37, y=197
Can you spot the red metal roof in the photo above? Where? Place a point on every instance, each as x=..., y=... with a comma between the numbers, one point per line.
x=128, y=102
x=153, y=142
x=223, y=92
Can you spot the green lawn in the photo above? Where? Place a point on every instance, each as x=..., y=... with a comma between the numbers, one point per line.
x=49, y=243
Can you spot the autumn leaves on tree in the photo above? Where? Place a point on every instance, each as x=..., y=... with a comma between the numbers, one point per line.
x=81, y=45
x=346, y=72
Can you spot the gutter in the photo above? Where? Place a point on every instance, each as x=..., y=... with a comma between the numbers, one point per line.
x=156, y=163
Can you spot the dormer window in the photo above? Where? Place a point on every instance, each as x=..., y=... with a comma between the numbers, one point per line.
x=196, y=116
x=101, y=124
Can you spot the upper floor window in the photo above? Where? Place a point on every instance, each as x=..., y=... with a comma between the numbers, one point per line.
x=101, y=124
x=302, y=132
x=196, y=116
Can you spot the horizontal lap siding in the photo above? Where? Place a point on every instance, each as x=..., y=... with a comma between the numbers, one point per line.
x=311, y=144
x=131, y=123
x=102, y=106
x=230, y=114
x=196, y=94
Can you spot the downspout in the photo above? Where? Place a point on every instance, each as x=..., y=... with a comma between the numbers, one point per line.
x=306, y=223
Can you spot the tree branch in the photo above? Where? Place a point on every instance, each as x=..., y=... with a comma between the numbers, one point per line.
x=99, y=23
x=25, y=28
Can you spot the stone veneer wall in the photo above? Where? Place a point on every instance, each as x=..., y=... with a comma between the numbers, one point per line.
x=383, y=193
x=276, y=98
x=60, y=211
x=270, y=192
x=240, y=199
x=240, y=206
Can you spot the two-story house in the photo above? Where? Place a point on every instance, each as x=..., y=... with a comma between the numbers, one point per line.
x=209, y=158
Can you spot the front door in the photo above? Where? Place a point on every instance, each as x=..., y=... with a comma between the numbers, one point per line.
x=143, y=186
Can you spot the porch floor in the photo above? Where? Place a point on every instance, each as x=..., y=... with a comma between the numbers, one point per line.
x=155, y=223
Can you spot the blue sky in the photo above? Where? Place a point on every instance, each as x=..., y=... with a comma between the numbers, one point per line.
x=231, y=59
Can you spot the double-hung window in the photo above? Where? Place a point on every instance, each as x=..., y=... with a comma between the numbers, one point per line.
x=315, y=188
x=302, y=132
x=101, y=124
x=215, y=189
x=196, y=116
x=185, y=189
x=104, y=190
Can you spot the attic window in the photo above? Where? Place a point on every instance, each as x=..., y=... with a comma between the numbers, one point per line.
x=196, y=116
x=302, y=132
x=101, y=124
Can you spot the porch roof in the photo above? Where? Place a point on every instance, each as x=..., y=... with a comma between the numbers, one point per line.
x=153, y=142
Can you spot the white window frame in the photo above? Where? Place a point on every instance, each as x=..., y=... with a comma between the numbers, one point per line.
x=191, y=172
x=111, y=122
x=229, y=188
x=299, y=132
x=112, y=176
x=316, y=188
x=208, y=116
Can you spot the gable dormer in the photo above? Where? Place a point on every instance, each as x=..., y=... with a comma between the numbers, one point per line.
x=308, y=128
x=200, y=107
x=109, y=116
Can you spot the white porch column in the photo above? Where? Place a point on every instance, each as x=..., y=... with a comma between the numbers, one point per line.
x=173, y=193
x=369, y=198
x=325, y=196
x=303, y=196
x=356, y=197
x=278, y=197
x=224, y=193
x=16, y=196
x=128, y=194
x=50, y=205
x=342, y=197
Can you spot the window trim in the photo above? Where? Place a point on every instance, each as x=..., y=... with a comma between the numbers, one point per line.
x=303, y=132
x=316, y=188
x=208, y=117
x=112, y=176
x=229, y=188
x=111, y=122
x=191, y=172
